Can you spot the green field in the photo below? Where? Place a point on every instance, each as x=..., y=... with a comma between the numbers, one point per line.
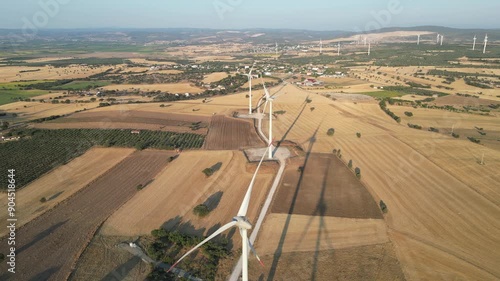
x=11, y=92
x=83, y=85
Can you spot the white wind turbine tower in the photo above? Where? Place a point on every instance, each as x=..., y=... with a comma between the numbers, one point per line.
x=276, y=49
x=485, y=43
x=369, y=48
x=250, y=78
x=442, y=38
x=474, y=45
x=338, y=49
x=240, y=221
x=270, y=99
x=418, y=40
x=320, y=46
x=438, y=36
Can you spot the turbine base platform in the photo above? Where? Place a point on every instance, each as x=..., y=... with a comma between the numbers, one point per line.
x=255, y=154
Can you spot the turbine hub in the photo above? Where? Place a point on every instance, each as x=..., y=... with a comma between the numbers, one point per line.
x=242, y=222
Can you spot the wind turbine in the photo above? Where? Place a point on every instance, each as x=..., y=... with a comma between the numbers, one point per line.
x=240, y=221
x=474, y=45
x=418, y=40
x=270, y=99
x=276, y=49
x=338, y=49
x=438, y=36
x=369, y=48
x=485, y=43
x=250, y=78
x=320, y=46
x=442, y=38
x=365, y=40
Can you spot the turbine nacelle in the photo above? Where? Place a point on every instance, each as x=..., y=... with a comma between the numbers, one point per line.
x=242, y=222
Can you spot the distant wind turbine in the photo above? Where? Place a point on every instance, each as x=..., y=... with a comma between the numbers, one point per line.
x=240, y=221
x=442, y=38
x=250, y=78
x=474, y=45
x=338, y=49
x=438, y=37
x=369, y=48
x=485, y=43
x=320, y=46
x=418, y=40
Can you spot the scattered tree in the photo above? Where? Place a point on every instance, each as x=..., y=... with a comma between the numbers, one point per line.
x=201, y=210
x=350, y=164
x=43, y=200
x=357, y=171
x=140, y=187
x=331, y=132
x=383, y=207
x=409, y=114
x=358, y=135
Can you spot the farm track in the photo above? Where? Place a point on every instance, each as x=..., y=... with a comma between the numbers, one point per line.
x=65, y=231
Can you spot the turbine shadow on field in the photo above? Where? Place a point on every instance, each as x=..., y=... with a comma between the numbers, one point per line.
x=45, y=275
x=293, y=125
x=121, y=271
x=42, y=235
x=279, y=249
x=320, y=212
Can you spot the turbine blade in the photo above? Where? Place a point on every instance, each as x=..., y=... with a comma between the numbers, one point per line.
x=255, y=253
x=222, y=229
x=246, y=201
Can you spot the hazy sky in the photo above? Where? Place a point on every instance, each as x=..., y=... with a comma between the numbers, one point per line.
x=349, y=15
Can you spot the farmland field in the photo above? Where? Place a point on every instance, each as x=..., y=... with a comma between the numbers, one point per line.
x=181, y=187
x=61, y=183
x=179, y=88
x=67, y=229
x=131, y=119
x=227, y=133
x=326, y=188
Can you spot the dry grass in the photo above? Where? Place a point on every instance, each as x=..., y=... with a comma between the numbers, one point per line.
x=34, y=110
x=215, y=77
x=12, y=73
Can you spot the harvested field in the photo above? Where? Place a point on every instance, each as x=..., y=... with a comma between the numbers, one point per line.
x=65, y=231
x=181, y=187
x=325, y=188
x=215, y=77
x=13, y=73
x=27, y=111
x=226, y=133
x=131, y=119
x=374, y=262
x=298, y=233
x=62, y=183
x=463, y=101
x=179, y=88
x=432, y=184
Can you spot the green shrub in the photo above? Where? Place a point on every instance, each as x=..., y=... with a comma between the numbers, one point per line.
x=409, y=114
x=383, y=207
x=201, y=210
x=43, y=200
x=455, y=135
x=331, y=132
x=140, y=187
x=358, y=135
x=350, y=164
x=357, y=171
